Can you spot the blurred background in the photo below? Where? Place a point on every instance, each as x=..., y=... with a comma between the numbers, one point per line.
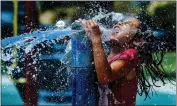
x=32, y=14
x=18, y=17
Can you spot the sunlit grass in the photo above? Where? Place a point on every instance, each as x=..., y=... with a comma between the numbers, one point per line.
x=169, y=63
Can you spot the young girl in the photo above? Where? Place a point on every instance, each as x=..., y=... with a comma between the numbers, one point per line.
x=122, y=70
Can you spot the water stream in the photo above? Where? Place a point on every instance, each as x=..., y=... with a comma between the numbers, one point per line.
x=52, y=44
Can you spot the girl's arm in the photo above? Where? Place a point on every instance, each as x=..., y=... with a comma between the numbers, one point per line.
x=106, y=73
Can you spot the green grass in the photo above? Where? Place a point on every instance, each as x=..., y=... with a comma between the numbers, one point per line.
x=169, y=63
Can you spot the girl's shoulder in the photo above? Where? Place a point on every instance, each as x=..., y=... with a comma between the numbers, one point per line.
x=129, y=54
x=131, y=51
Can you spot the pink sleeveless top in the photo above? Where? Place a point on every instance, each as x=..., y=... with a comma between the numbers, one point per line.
x=122, y=92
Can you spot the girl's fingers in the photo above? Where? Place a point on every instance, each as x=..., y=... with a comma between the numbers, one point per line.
x=89, y=25
x=92, y=23
x=95, y=23
x=86, y=24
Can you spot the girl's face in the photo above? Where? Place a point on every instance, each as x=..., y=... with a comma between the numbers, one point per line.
x=125, y=31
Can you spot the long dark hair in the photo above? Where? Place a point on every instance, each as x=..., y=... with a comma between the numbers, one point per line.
x=151, y=55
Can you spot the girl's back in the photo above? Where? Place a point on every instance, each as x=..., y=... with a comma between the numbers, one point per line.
x=124, y=90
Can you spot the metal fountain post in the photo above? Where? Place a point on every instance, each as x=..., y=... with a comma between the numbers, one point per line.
x=31, y=91
x=84, y=82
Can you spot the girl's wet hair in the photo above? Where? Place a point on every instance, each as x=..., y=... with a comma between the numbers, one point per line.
x=151, y=56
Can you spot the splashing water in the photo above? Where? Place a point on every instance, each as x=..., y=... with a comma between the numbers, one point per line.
x=44, y=41
x=60, y=24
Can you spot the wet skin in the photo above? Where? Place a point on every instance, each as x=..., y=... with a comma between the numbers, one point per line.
x=120, y=41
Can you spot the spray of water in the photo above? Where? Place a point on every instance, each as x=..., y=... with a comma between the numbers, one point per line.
x=26, y=44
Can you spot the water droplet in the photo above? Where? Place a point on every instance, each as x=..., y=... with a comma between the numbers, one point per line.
x=33, y=76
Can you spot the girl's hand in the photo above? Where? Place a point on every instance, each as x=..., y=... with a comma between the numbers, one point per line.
x=92, y=29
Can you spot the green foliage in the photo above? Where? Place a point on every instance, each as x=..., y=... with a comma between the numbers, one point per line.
x=169, y=63
x=163, y=14
x=125, y=7
x=159, y=5
x=66, y=12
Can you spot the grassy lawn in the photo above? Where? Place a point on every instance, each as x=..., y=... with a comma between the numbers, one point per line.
x=169, y=63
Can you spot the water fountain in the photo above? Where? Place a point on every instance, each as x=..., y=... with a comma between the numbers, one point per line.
x=82, y=63
x=44, y=39
x=85, y=85
x=25, y=45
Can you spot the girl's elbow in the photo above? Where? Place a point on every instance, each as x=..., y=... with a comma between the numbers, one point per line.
x=103, y=81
